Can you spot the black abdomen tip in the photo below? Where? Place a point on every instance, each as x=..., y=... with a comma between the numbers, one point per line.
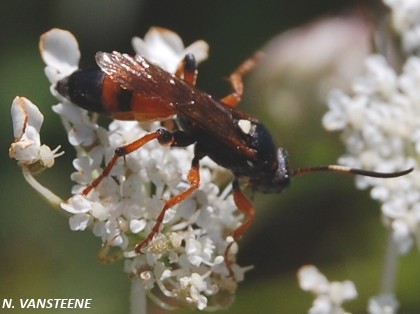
x=84, y=89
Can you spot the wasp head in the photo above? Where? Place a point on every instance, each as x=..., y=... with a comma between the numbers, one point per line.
x=277, y=179
x=270, y=171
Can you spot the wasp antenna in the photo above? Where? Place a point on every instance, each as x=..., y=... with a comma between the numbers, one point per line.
x=350, y=170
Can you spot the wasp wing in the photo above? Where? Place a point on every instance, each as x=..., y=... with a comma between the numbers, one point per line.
x=135, y=74
x=152, y=96
x=219, y=121
x=201, y=110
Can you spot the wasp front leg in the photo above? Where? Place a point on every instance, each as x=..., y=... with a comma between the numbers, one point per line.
x=245, y=206
x=236, y=80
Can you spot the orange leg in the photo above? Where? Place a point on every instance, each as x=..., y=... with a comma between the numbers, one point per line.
x=245, y=206
x=187, y=69
x=194, y=179
x=236, y=81
x=163, y=136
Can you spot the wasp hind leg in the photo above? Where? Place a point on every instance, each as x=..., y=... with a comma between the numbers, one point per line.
x=236, y=80
x=187, y=69
x=245, y=206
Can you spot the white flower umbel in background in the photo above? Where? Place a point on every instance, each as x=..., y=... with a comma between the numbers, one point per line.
x=184, y=263
x=380, y=125
x=329, y=296
x=406, y=23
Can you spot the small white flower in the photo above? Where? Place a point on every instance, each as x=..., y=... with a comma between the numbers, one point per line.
x=199, y=249
x=81, y=131
x=31, y=156
x=329, y=296
x=60, y=52
x=383, y=304
x=27, y=148
x=80, y=222
x=406, y=22
x=191, y=289
x=137, y=225
x=77, y=204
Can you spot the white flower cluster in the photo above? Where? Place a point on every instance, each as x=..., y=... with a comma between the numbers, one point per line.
x=406, y=23
x=329, y=295
x=380, y=125
x=185, y=260
x=381, y=130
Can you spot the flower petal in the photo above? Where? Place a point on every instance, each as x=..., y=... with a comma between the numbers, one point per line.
x=159, y=36
x=166, y=49
x=60, y=52
x=200, y=50
x=27, y=119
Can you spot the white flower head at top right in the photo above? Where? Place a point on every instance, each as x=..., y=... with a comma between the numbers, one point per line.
x=380, y=125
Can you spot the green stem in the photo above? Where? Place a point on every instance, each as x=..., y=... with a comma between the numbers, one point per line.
x=138, y=298
x=389, y=275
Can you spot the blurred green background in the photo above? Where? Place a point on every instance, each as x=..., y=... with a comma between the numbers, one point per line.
x=320, y=219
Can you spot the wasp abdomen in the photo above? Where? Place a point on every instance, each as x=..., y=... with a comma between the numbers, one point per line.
x=84, y=88
x=93, y=90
